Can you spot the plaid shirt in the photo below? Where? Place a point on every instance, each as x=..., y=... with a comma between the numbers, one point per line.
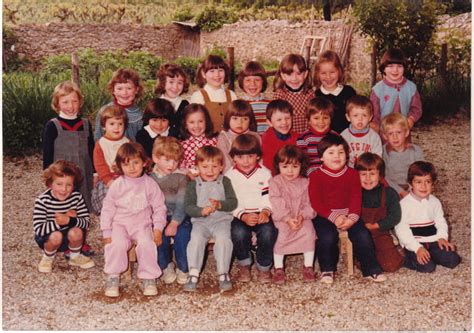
x=298, y=101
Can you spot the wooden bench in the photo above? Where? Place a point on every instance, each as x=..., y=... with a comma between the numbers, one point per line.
x=345, y=245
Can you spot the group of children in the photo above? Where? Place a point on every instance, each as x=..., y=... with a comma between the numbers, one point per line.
x=274, y=177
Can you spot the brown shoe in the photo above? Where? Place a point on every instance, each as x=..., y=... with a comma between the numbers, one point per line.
x=243, y=275
x=265, y=276
x=308, y=274
x=279, y=276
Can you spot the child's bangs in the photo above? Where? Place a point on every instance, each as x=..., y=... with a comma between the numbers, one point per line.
x=290, y=160
x=287, y=67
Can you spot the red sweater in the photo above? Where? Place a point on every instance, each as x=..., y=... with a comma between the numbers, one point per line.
x=271, y=144
x=336, y=192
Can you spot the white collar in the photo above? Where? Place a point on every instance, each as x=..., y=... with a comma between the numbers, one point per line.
x=153, y=134
x=65, y=116
x=175, y=101
x=335, y=92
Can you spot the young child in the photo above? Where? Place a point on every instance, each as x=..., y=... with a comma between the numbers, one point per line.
x=238, y=119
x=395, y=93
x=279, y=134
x=293, y=84
x=397, y=153
x=126, y=88
x=253, y=81
x=60, y=216
x=210, y=200
x=359, y=135
x=171, y=83
x=250, y=182
x=134, y=210
x=319, y=113
x=69, y=137
x=335, y=193
x=380, y=210
x=423, y=230
x=167, y=153
x=292, y=212
x=329, y=78
x=211, y=76
x=196, y=131
x=158, y=121
x=113, y=120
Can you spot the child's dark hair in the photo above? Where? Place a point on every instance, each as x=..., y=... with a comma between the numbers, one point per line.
x=123, y=75
x=158, y=108
x=253, y=68
x=131, y=150
x=211, y=62
x=192, y=108
x=171, y=71
x=113, y=111
x=246, y=144
x=319, y=105
x=332, y=140
x=290, y=154
x=287, y=65
x=392, y=56
x=332, y=57
x=278, y=105
x=240, y=108
x=62, y=168
x=370, y=161
x=421, y=168
x=209, y=153
x=359, y=101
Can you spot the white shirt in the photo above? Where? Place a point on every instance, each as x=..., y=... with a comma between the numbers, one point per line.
x=215, y=95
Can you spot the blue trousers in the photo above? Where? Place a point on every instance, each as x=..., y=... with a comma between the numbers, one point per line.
x=439, y=256
x=181, y=240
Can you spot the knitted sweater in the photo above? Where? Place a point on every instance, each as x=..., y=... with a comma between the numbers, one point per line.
x=360, y=143
x=134, y=124
x=173, y=187
x=308, y=142
x=271, y=144
x=191, y=145
x=105, y=152
x=259, y=106
x=338, y=121
x=298, y=101
x=371, y=199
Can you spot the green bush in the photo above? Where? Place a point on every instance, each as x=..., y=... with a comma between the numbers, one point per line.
x=189, y=66
x=212, y=18
x=183, y=13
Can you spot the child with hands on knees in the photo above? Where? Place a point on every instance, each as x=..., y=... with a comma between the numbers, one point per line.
x=210, y=200
x=335, y=193
x=167, y=153
x=292, y=212
x=423, y=230
x=250, y=182
x=60, y=216
x=293, y=84
x=126, y=88
x=329, y=79
x=134, y=210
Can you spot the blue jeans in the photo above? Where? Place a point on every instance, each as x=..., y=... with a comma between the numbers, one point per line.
x=181, y=240
x=327, y=249
x=241, y=235
x=438, y=256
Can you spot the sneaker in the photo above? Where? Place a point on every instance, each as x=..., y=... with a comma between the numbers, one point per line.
x=265, y=276
x=225, y=285
x=244, y=275
x=181, y=277
x=279, y=276
x=169, y=274
x=87, y=250
x=112, y=287
x=149, y=287
x=191, y=284
x=81, y=261
x=308, y=274
x=377, y=277
x=327, y=277
x=46, y=264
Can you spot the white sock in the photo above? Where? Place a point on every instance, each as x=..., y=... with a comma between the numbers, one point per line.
x=75, y=251
x=308, y=258
x=194, y=272
x=278, y=260
x=49, y=255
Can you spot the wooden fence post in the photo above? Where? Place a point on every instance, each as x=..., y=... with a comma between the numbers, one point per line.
x=443, y=61
x=75, y=69
x=373, y=65
x=307, y=52
x=230, y=53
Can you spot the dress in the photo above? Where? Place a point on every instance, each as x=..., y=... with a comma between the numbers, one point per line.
x=298, y=100
x=339, y=98
x=191, y=146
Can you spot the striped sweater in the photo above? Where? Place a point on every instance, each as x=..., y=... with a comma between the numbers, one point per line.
x=308, y=142
x=46, y=206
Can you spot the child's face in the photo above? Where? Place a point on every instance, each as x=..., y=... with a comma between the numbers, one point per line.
x=246, y=162
x=281, y=121
x=359, y=118
x=422, y=186
x=253, y=85
x=290, y=170
x=369, y=179
x=214, y=77
x=165, y=165
x=114, y=128
x=174, y=86
x=394, y=73
x=334, y=157
x=396, y=136
x=125, y=93
x=209, y=170
x=69, y=104
x=159, y=125
x=62, y=187
x=239, y=124
x=196, y=123
x=328, y=75
x=320, y=122
x=133, y=167
x=296, y=79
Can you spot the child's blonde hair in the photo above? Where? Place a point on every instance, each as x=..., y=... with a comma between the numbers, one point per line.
x=290, y=154
x=171, y=71
x=209, y=153
x=332, y=57
x=169, y=147
x=113, y=111
x=62, y=168
x=128, y=151
x=240, y=108
x=394, y=119
x=287, y=65
x=63, y=89
x=319, y=105
x=358, y=101
x=211, y=62
x=124, y=75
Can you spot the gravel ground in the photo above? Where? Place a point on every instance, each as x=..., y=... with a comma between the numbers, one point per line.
x=72, y=299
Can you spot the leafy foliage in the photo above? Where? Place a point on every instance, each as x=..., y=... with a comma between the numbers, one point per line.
x=184, y=13
x=213, y=18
